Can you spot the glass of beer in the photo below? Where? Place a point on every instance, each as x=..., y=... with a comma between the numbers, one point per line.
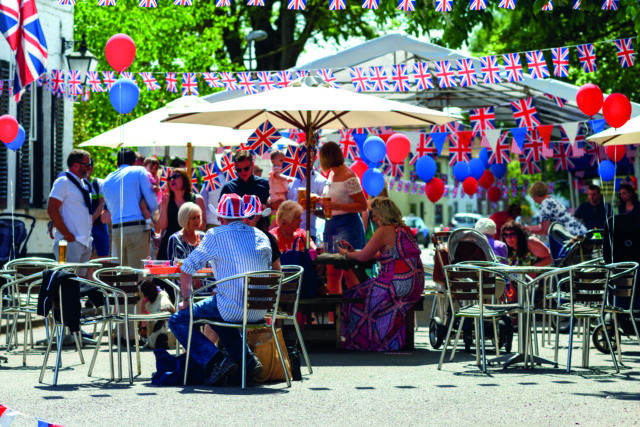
x=302, y=196
x=62, y=251
x=326, y=204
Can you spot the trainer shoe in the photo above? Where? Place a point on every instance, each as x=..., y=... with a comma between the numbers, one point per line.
x=219, y=372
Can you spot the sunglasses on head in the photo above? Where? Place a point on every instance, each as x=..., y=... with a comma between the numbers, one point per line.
x=172, y=177
x=244, y=169
x=510, y=234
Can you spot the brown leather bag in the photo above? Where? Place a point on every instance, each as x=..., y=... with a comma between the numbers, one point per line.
x=440, y=260
x=262, y=343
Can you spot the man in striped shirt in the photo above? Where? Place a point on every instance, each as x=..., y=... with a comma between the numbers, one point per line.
x=233, y=248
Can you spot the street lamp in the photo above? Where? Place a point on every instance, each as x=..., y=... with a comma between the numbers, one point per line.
x=82, y=59
x=252, y=37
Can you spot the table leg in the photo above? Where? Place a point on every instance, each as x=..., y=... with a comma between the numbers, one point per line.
x=336, y=322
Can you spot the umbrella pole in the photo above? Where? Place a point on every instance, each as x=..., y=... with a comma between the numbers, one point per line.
x=189, y=158
x=307, y=175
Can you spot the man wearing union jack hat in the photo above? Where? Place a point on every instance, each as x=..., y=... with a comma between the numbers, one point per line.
x=233, y=248
x=252, y=203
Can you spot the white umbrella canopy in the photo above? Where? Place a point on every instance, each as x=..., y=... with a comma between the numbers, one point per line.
x=627, y=134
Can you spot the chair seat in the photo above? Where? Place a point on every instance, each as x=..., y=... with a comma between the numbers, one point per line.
x=253, y=325
x=474, y=311
x=578, y=311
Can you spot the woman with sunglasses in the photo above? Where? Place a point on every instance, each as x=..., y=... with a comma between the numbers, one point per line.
x=523, y=248
x=179, y=185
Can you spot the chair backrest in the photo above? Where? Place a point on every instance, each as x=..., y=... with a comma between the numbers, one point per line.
x=263, y=289
x=589, y=285
x=27, y=269
x=468, y=283
x=123, y=278
x=290, y=290
x=622, y=284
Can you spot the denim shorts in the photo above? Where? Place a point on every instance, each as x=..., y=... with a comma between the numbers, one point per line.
x=100, y=234
x=346, y=227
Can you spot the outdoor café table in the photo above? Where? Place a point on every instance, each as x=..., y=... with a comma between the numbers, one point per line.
x=340, y=262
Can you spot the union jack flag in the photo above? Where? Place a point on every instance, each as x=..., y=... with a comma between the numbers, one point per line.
x=446, y=77
x=537, y=65
x=247, y=84
x=263, y=138
x=210, y=177
x=93, y=79
x=327, y=75
x=85, y=96
x=400, y=78
x=559, y=101
x=587, y=57
x=466, y=72
x=20, y=25
x=482, y=119
x=284, y=78
x=295, y=162
x=147, y=3
x=337, y=5
x=425, y=147
x=127, y=75
x=529, y=167
x=349, y=146
x=378, y=79
x=533, y=146
x=477, y=4
x=75, y=82
x=507, y=4
x=422, y=76
x=212, y=79
x=595, y=153
x=394, y=170
x=57, y=81
x=109, y=78
x=406, y=5
x=576, y=4
x=297, y=4
x=560, y=60
x=106, y=2
x=548, y=6
x=149, y=81
x=222, y=3
x=624, y=51
x=164, y=176
x=359, y=79
x=525, y=113
x=228, y=81
x=66, y=2
x=182, y=2
x=561, y=158
x=228, y=168
x=610, y=5
x=490, y=69
x=189, y=84
x=265, y=80
x=369, y=4
x=300, y=74
x=194, y=180
x=513, y=67
x=172, y=82
x=459, y=149
x=444, y=5
x=500, y=154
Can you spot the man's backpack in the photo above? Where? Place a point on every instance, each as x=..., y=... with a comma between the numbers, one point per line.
x=309, y=286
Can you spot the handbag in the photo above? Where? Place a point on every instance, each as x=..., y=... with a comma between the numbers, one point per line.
x=263, y=345
x=309, y=285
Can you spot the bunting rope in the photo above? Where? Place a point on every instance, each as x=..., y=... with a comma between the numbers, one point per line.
x=8, y=416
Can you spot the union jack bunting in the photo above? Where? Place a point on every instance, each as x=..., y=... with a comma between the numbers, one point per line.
x=171, y=81
x=85, y=96
x=75, y=82
x=624, y=51
x=378, y=79
x=57, y=81
x=210, y=177
x=576, y=4
x=446, y=77
x=537, y=65
x=394, y=170
x=255, y=3
x=326, y=74
x=127, y=75
x=297, y=4
x=533, y=146
x=222, y=3
x=349, y=146
x=490, y=69
x=525, y=113
x=284, y=78
x=227, y=166
x=528, y=167
x=507, y=4
x=610, y=5
x=93, y=80
x=548, y=6
x=559, y=101
x=459, y=150
x=149, y=81
x=587, y=57
x=561, y=158
x=182, y=2
x=295, y=162
x=477, y=4
x=263, y=138
x=500, y=154
x=513, y=67
x=212, y=79
x=400, y=78
x=228, y=81
x=66, y=2
x=560, y=60
x=359, y=79
x=106, y=2
x=109, y=78
x=337, y=5
x=466, y=72
x=444, y=5
x=247, y=84
x=147, y=3
x=425, y=147
x=164, y=176
x=369, y=4
x=422, y=76
x=595, y=153
x=482, y=119
x=407, y=5
x=265, y=81
x=189, y=84
x=301, y=74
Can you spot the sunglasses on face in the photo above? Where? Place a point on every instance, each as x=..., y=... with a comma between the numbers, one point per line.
x=245, y=169
x=172, y=177
x=507, y=235
x=88, y=164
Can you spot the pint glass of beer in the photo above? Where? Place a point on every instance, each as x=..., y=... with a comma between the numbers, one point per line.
x=326, y=204
x=302, y=196
x=62, y=251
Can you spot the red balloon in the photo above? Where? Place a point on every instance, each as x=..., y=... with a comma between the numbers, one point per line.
x=615, y=152
x=494, y=194
x=486, y=180
x=8, y=128
x=434, y=189
x=470, y=185
x=398, y=148
x=120, y=52
x=359, y=167
x=589, y=99
x=616, y=110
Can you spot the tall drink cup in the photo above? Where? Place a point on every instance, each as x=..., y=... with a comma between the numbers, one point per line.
x=62, y=251
x=326, y=204
x=302, y=196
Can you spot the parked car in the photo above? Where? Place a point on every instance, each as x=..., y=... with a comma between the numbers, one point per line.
x=418, y=228
x=464, y=220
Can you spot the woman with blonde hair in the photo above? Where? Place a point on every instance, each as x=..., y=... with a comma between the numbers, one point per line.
x=377, y=324
x=184, y=241
x=552, y=210
x=288, y=233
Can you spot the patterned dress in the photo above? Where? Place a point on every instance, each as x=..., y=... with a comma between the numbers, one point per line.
x=377, y=324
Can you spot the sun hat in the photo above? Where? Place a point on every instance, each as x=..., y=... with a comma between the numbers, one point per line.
x=486, y=226
x=231, y=206
x=253, y=206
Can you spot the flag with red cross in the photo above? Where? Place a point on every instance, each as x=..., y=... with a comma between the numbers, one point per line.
x=326, y=74
x=507, y=4
x=164, y=176
x=246, y=83
x=93, y=80
x=625, y=53
x=284, y=78
x=595, y=153
x=459, y=147
x=228, y=80
x=407, y=5
x=210, y=175
x=337, y=5
x=537, y=65
x=189, y=84
x=263, y=138
x=482, y=119
x=466, y=72
x=513, y=67
x=75, y=82
x=561, y=158
x=171, y=81
x=109, y=78
x=349, y=146
x=400, y=78
x=212, y=80
x=500, y=154
x=149, y=81
x=378, y=79
x=490, y=70
x=525, y=113
x=560, y=60
x=295, y=162
x=587, y=57
x=444, y=73
x=422, y=76
x=227, y=166
x=359, y=79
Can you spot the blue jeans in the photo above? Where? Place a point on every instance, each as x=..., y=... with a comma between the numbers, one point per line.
x=202, y=350
x=346, y=227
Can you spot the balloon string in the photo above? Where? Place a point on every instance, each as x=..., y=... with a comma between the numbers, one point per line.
x=121, y=123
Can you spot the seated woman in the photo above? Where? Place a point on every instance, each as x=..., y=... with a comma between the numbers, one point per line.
x=184, y=241
x=487, y=227
x=289, y=218
x=524, y=249
x=377, y=324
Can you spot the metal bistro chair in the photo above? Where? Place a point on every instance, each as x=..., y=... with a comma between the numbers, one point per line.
x=261, y=291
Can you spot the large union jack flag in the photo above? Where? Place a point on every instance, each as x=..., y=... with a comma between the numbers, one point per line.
x=337, y=5
x=400, y=78
x=444, y=5
x=624, y=51
x=109, y=78
x=507, y=4
x=297, y=4
x=189, y=84
x=20, y=25
x=422, y=76
x=466, y=72
x=349, y=146
x=609, y=4
x=326, y=74
x=210, y=177
x=406, y=5
x=537, y=65
x=369, y=4
x=500, y=154
x=93, y=80
x=359, y=79
x=75, y=82
x=490, y=69
x=560, y=60
x=587, y=57
x=446, y=76
x=228, y=81
x=227, y=166
x=513, y=67
x=295, y=162
x=525, y=113
x=263, y=138
x=378, y=79
x=247, y=84
x=482, y=119
x=284, y=78
x=149, y=81
x=477, y=4
x=561, y=158
x=212, y=80
x=172, y=82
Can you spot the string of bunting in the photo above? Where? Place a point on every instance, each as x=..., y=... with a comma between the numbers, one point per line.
x=8, y=415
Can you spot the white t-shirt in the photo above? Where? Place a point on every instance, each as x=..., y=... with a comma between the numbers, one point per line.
x=75, y=213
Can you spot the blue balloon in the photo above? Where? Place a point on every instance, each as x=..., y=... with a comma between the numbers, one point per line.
x=461, y=171
x=484, y=156
x=124, y=95
x=607, y=170
x=374, y=149
x=19, y=140
x=499, y=170
x=426, y=168
x=373, y=182
x=476, y=168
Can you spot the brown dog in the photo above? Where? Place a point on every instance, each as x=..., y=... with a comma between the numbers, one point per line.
x=158, y=332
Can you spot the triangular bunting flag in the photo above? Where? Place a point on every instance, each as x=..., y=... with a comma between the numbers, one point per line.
x=571, y=129
x=545, y=133
x=492, y=136
x=597, y=125
x=519, y=134
x=439, y=139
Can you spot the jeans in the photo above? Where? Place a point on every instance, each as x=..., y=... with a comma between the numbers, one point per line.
x=202, y=350
x=346, y=227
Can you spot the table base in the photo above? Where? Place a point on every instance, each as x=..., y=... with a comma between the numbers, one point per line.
x=511, y=359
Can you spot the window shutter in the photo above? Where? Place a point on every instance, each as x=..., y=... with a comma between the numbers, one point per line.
x=23, y=170
x=58, y=144
x=4, y=109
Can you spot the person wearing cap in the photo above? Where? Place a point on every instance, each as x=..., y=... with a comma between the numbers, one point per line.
x=259, y=212
x=231, y=249
x=487, y=227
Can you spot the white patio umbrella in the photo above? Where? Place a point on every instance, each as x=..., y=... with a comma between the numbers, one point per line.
x=627, y=134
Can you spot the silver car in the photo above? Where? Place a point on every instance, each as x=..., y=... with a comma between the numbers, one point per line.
x=464, y=220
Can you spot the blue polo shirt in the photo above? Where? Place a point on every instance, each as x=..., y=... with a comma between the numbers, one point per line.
x=255, y=186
